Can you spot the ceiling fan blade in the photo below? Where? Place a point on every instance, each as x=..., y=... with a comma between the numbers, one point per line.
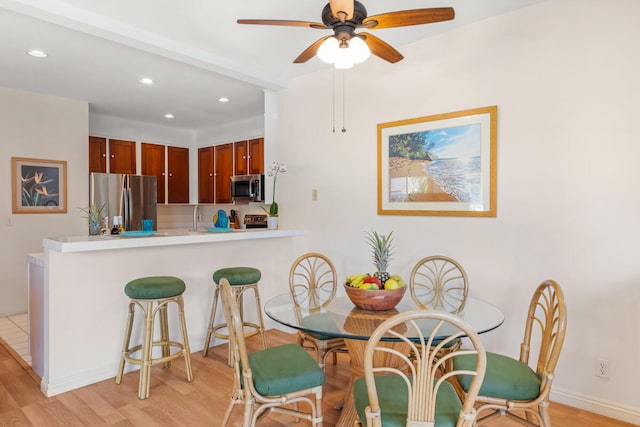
x=310, y=51
x=342, y=6
x=283, y=23
x=381, y=48
x=404, y=18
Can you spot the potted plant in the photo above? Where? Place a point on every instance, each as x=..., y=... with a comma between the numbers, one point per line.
x=275, y=169
x=94, y=217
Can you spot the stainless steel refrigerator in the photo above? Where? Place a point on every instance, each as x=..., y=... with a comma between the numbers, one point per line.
x=133, y=197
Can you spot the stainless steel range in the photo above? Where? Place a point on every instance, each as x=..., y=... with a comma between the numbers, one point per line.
x=255, y=221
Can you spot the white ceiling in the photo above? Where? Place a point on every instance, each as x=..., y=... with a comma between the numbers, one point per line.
x=193, y=49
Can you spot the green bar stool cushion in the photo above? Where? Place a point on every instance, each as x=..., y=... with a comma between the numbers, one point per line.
x=238, y=275
x=155, y=287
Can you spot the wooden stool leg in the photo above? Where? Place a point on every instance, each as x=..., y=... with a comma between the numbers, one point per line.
x=260, y=319
x=145, y=362
x=185, y=339
x=164, y=332
x=212, y=318
x=125, y=345
x=238, y=291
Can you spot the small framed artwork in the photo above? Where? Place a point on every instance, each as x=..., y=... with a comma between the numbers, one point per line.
x=38, y=186
x=439, y=165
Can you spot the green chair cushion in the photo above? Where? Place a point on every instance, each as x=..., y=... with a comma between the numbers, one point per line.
x=505, y=378
x=238, y=275
x=284, y=369
x=155, y=287
x=393, y=398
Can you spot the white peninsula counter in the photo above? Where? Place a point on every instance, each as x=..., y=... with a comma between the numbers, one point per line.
x=84, y=309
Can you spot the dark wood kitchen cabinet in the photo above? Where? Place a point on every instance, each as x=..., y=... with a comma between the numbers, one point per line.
x=223, y=172
x=206, y=171
x=152, y=158
x=122, y=156
x=178, y=174
x=249, y=157
x=97, y=154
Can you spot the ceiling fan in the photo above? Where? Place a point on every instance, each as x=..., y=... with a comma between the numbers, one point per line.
x=345, y=16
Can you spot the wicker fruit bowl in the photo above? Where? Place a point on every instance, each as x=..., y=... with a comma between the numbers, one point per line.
x=375, y=300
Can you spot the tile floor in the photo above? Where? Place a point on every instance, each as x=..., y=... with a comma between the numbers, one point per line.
x=13, y=330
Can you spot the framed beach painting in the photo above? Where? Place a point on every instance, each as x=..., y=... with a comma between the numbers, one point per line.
x=38, y=186
x=439, y=165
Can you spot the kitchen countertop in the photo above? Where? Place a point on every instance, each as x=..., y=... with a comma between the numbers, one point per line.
x=161, y=238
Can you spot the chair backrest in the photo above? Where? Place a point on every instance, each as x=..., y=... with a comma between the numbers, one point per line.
x=425, y=375
x=313, y=281
x=547, y=316
x=439, y=283
x=236, y=338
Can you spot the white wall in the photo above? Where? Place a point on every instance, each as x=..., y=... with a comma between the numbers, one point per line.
x=251, y=127
x=42, y=127
x=564, y=75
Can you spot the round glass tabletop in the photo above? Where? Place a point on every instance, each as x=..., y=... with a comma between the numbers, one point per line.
x=341, y=319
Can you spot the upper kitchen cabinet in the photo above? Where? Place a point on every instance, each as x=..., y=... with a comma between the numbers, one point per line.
x=223, y=172
x=97, y=154
x=249, y=157
x=122, y=156
x=178, y=177
x=206, y=172
x=153, y=163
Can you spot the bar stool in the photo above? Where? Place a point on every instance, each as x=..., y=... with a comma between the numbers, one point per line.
x=241, y=280
x=152, y=295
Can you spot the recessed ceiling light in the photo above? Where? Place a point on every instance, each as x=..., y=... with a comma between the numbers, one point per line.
x=169, y=116
x=37, y=53
x=146, y=81
x=223, y=99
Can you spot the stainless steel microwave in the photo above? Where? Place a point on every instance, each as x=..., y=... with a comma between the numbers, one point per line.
x=247, y=188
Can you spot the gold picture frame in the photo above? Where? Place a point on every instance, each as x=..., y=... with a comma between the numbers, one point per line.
x=442, y=165
x=38, y=185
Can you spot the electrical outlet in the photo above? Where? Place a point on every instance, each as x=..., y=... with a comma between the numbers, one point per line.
x=603, y=368
x=314, y=195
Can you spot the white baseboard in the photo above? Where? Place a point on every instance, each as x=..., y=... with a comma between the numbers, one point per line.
x=603, y=407
x=71, y=382
x=81, y=379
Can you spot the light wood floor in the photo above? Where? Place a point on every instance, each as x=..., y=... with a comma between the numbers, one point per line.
x=175, y=402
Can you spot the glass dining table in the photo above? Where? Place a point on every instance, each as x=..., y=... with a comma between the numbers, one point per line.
x=341, y=319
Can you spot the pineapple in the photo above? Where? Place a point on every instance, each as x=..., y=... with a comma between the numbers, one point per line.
x=381, y=252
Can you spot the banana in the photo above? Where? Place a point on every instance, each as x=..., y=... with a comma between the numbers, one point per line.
x=352, y=277
x=356, y=280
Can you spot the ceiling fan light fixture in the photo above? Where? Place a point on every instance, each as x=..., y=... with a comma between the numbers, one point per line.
x=343, y=64
x=358, y=50
x=328, y=50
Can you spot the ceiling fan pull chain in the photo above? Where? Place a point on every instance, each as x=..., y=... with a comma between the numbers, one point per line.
x=333, y=115
x=344, y=97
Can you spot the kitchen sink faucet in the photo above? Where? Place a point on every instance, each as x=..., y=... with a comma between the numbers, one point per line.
x=195, y=217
